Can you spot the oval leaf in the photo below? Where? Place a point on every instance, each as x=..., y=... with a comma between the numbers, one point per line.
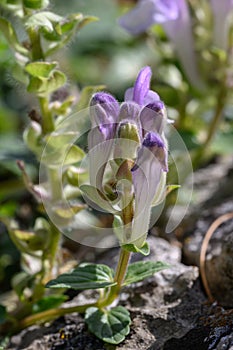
x=142, y=269
x=109, y=325
x=85, y=276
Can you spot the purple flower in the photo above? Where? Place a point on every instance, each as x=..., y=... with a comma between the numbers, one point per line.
x=222, y=9
x=147, y=175
x=135, y=132
x=175, y=18
x=141, y=92
x=104, y=113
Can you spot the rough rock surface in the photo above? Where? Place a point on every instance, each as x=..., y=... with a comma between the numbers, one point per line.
x=168, y=311
x=219, y=257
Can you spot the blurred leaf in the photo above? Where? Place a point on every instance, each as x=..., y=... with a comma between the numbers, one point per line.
x=20, y=282
x=40, y=69
x=222, y=143
x=85, y=276
x=111, y=325
x=86, y=95
x=58, y=140
x=45, y=19
x=35, y=4
x=189, y=138
x=142, y=269
x=63, y=156
x=62, y=108
x=10, y=35
x=49, y=302
x=65, y=31
x=43, y=86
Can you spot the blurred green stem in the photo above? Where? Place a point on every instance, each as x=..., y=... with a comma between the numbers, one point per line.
x=47, y=117
x=221, y=98
x=220, y=105
x=36, y=49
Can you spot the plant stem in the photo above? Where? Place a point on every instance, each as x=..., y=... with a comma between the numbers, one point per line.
x=36, y=49
x=217, y=116
x=221, y=98
x=51, y=314
x=47, y=117
x=55, y=184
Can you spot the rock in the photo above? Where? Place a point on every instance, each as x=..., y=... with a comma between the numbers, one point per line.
x=219, y=257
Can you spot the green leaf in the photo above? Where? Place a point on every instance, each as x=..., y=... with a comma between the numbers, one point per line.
x=109, y=325
x=85, y=276
x=144, y=249
x=142, y=269
x=3, y=314
x=45, y=19
x=49, y=302
x=63, y=156
x=40, y=69
x=10, y=34
x=43, y=86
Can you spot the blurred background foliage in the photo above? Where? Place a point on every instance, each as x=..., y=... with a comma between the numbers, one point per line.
x=101, y=54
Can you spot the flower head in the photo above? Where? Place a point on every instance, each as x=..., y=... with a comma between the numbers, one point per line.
x=132, y=137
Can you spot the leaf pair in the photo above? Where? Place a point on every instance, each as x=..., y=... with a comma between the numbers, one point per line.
x=110, y=325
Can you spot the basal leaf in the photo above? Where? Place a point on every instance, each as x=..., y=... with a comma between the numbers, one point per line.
x=109, y=325
x=144, y=250
x=143, y=269
x=85, y=276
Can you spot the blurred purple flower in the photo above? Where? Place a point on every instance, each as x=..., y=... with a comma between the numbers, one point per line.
x=175, y=18
x=222, y=10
